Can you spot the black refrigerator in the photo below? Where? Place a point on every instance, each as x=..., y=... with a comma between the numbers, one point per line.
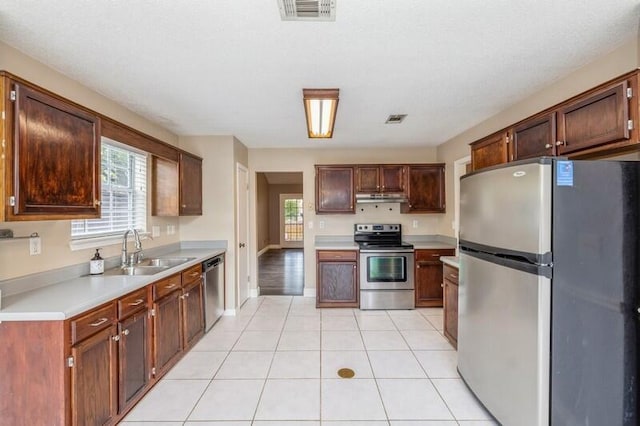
x=548, y=296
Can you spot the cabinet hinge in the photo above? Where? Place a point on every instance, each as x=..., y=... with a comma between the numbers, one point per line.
x=70, y=362
x=153, y=371
x=12, y=95
x=152, y=312
x=630, y=124
x=12, y=201
x=3, y=116
x=629, y=93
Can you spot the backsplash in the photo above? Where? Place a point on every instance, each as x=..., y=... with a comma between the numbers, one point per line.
x=342, y=224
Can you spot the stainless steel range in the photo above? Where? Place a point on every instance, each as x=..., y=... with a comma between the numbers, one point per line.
x=386, y=267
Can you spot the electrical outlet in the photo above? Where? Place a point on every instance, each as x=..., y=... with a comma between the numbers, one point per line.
x=155, y=231
x=321, y=224
x=35, y=246
x=171, y=229
x=415, y=223
x=310, y=224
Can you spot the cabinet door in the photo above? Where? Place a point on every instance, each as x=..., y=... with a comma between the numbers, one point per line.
x=164, y=190
x=451, y=312
x=56, y=156
x=190, y=185
x=94, y=379
x=337, y=284
x=535, y=137
x=596, y=119
x=428, y=277
x=134, y=355
x=193, y=318
x=167, y=332
x=392, y=178
x=425, y=189
x=367, y=179
x=334, y=189
x=490, y=151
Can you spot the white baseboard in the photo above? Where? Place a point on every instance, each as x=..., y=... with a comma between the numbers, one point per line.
x=309, y=292
x=229, y=313
x=269, y=247
x=253, y=292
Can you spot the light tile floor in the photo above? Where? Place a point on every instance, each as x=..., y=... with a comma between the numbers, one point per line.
x=276, y=363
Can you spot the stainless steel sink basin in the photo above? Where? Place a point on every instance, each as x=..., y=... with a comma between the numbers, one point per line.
x=168, y=262
x=136, y=270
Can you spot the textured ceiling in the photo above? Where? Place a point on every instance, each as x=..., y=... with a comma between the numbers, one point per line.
x=233, y=67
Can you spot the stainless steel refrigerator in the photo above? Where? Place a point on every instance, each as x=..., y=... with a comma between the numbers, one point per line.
x=548, y=296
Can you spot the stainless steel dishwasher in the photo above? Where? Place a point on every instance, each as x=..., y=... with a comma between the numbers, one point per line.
x=213, y=270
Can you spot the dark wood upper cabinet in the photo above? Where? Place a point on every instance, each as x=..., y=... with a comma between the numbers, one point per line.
x=384, y=178
x=55, y=155
x=190, y=185
x=595, y=119
x=490, y=151
x=425, y=189
x=334, y=189
x=535, y=137
x=165, y=194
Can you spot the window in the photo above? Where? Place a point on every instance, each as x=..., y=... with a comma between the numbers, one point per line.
x=124, y=194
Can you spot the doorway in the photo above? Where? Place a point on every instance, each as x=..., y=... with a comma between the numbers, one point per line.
x=280, y=233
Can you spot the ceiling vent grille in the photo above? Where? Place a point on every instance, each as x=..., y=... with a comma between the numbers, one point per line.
x=395, y=119
x=307, y=10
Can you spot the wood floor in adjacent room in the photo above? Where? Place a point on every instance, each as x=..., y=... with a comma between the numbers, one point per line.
x=281, y=272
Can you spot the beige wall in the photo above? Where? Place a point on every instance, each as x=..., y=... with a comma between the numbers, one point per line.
x=274, y=208
x=262, y=212
x=618, y=62
x=303, y=160
x=14, y=255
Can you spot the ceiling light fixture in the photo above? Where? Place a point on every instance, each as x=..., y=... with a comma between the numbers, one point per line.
x=320, y=106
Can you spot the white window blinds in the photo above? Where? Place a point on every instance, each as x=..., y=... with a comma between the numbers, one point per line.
x=124, y=195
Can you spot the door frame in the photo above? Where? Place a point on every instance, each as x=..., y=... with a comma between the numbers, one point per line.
x=283, y=243
x=242, y=192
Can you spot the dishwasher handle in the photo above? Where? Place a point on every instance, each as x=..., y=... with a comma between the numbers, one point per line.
x=212, y=263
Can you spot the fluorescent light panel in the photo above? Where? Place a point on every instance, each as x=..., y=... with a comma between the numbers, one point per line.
x=320, y=106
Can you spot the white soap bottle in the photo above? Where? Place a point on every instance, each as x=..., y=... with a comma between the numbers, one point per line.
x=96, y=265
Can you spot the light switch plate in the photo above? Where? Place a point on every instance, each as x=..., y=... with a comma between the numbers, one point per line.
x=415, y=223
x=321, y=224
x=35, y=246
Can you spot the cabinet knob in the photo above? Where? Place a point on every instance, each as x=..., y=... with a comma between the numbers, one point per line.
x=184, y=206
x=558, y=143
x=97, y=202
x=547, y=146
x=126, y=332
x=442, y=285
x=115, y=338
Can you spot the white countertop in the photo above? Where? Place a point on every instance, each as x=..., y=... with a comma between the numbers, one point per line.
x=72, y=297
x=451, y=261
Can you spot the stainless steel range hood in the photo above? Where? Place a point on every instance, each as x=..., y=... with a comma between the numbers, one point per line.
x=376, y=198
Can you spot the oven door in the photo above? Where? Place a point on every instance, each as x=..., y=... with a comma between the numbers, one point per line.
x=386, y=270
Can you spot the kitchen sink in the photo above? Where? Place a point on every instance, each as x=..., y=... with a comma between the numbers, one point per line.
x=136, y=270
x=167, y=262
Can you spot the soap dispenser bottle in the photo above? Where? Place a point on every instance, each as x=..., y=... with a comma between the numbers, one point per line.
x=96, y=265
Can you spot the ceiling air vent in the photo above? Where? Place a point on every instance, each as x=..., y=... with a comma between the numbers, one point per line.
x=395, y=118
x=307, y=10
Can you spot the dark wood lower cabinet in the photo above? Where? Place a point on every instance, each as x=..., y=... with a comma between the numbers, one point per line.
x=450, y=316
x=93, y=379
x=167, y=339
x=337, y=279
x=134, y=355
x=428, y=276
x=193, y=318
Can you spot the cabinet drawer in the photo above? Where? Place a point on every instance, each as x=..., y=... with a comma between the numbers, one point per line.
x=433, y=254
x=192, y=274
x=450, y=273
x=132, y=302
x=166, y=286
x=346, y=255
x=92, y=322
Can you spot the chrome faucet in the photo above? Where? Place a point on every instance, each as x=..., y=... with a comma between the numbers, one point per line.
x=130, y=259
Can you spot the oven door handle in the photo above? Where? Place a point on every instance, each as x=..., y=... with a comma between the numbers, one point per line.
x=387, y=251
